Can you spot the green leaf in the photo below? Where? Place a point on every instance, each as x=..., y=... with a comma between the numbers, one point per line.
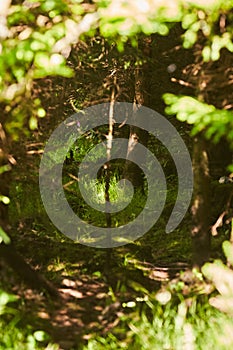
x=206, y=53
x=190, y=37
x=170, y=98
x=6, y=298
x=5, y=168
x=4, y=199
x=63, y=71
x=189, y=19
x=4, y=237
x=40, y=336
x=41, y=59
x=33, y=124
x=228, y=251
x=37, y=45
x=41, y=112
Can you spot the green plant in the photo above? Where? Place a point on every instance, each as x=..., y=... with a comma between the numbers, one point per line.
x=12, y=337
x=221, y=276
x=96, y=195
x=190, y=323
x=215, y=123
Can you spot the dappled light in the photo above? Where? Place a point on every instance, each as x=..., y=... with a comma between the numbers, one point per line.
x=116, y=180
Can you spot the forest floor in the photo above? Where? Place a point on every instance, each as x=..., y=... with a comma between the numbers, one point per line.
x=95, y=285
x=101, y=290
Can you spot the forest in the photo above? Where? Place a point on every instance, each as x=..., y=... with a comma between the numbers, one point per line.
x=116, y=174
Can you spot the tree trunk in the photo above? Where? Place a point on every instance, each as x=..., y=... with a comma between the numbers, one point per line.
x=7, y=251
x=201, y=208
x=141, y=97
x=208, y=159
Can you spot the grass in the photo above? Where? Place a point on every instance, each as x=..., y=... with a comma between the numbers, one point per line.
x=127, y=204
x=174, y=327
x=12, y=337
x=181, y=314
x=174, y=323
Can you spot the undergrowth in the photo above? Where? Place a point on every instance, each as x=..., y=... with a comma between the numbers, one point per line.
x=12, y=336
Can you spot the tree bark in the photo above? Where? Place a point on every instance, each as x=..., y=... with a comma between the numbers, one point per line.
x=141, y=98
x=7, y=251
x=201, y=208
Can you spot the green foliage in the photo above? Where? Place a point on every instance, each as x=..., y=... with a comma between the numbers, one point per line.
x=189, y=324
x=213, y=122
x=40, y=32
x=222, y=277
x=4, y=199
x=202, y=17
x=96, y=195
x=82, y=146
x=212, y=52
x=27, y=54
x=124, y=19
x=4, y=236
x=4, y=168
x=6, y=298
x=14, y=338
x=21, y=208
